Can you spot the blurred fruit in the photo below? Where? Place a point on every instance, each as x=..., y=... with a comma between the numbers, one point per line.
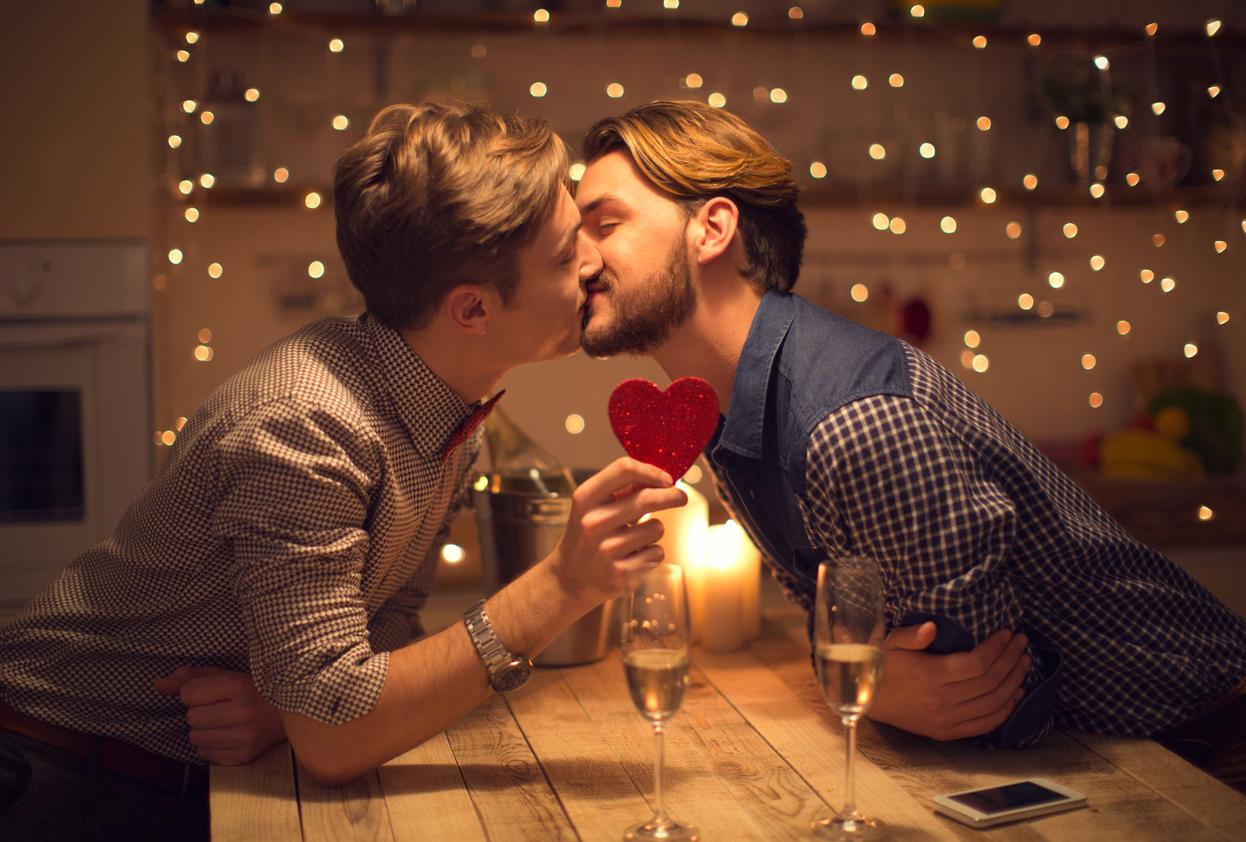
x=1174, y=422
x=1090, y=450
x=1142, y=454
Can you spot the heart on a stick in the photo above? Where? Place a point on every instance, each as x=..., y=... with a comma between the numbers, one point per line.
x=667, y=429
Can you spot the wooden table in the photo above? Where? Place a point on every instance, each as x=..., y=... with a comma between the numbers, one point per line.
x=753, y=755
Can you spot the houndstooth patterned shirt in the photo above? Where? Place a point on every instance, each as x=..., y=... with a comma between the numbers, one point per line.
x=973, y=527
x=292, y=534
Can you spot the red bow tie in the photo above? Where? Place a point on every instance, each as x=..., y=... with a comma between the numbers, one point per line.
x=469, y=425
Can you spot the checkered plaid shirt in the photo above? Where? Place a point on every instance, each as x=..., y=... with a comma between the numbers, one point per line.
x=973, y=526
x=292, y=534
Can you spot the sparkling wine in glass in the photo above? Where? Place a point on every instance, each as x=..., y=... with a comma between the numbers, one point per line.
x=848, y=630
x=655, y=659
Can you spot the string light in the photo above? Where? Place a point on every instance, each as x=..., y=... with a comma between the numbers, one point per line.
x=281, y=175
x=895, y=80
x=315, y=270
x=574, y=424
x=1055, y=280
x=479, y=51
x=948, y=225
x=860, y=83
x=1167, y=284
x=577, y=171
x=275, y=8
x=185, y=186
x=670, y=4
x=1095, y=400
x=336, y=45
x=1220, y=246
x=192, y=37
x=1212, y=27
x=1158, y=107
x=1062, y=122
x=614, y=90
x=452, y=554
x=1097, y=262
x=1132, y=179
x=1190, y=350
x=1146, y=275
x=692, y=81
x=183, y=56
x=175, y=256
x=1034, y=39
x=984, y=123
x=206, y=180
x=926, y=150
x=1217, y=174
x=204, y=353
x=541, y=16
x=341, y=122
x=1045, y=309
x=860, y=293
x=1025, y=301
x=1205, y=513
x=716, y=100
x=1029, y=181
x=1213, y=91
x=917, y=10
x=796, y=13
x=988, y=195
x=1097, y=191
x=881, y=221
x=1070, y=230
x=981, y=363
x=972, y=339
x=898, y=225
x=877, y=151
x=207, y=118
x=204, y=336
x=778, y=96
x=966, y=358
x=868, y=29
x=817, y=169
x=1158, y=240
x=180, y=423
x=189, y=106
x=175, y=140
x=167, y=438
x=1182, y=216
x=1121, y=121
x=739, y=19
x=312, y=200
x=1101, y=62
x=252, y=95
x=1088, y=361
x=192, y=214
x=1013, y=230
x=979, y=42
x=1123, y=327
x=215, y=270
x=538, y=89
x=1151, y=29
x=1222, y=318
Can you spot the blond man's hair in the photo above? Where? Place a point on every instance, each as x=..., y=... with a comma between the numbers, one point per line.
x=693, y=152
x=435, y=195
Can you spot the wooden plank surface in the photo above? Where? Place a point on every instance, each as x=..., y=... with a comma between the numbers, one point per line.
x=426, y=796
x=353, y=812
x=257, y=800
x=506, y=784
x=1122, y=805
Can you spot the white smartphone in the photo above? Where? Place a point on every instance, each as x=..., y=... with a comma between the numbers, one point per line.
x=1009, y=802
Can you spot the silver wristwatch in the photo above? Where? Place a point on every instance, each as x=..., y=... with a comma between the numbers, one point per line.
x=507, y=671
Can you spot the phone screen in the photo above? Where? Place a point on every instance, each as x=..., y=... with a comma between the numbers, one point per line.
x=1001, y=799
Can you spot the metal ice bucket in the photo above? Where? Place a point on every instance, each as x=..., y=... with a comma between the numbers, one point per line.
x=517, y=530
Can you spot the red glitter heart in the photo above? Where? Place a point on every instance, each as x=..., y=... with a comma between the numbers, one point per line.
x=667, y=429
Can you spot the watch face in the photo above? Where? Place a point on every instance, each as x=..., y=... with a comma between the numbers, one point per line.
x=512, y=676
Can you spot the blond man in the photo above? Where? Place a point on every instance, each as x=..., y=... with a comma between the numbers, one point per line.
x=1014, y=602
x=267, y=582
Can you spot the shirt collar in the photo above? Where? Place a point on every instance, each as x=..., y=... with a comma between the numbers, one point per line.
x=435, y=417
x=741, y=432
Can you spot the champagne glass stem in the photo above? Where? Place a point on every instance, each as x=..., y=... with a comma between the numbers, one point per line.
x=659, y=811
x=850, y=788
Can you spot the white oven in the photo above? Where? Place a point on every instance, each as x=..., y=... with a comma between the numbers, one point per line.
x=75, y=401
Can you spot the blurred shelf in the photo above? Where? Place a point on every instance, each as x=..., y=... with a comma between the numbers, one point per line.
x=646, y=22
x=825, y=196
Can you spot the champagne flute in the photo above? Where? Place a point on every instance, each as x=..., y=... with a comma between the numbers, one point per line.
x=655, y=659
x=848, y=628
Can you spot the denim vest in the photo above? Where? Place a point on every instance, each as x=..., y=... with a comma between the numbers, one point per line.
x=799, y=364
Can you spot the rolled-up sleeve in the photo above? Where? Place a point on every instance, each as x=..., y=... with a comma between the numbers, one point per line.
x=296, y=482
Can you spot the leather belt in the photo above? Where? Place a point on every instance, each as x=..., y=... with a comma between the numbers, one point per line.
x=114, y=755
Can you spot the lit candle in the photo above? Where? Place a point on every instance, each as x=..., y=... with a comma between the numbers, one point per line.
x=729, y=546
x=684, y=544
x=722, y=628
